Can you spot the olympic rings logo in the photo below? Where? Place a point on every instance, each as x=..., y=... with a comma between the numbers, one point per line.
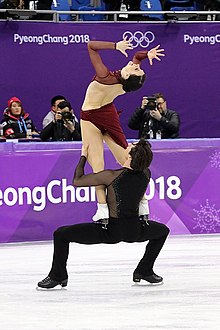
x=139, y=38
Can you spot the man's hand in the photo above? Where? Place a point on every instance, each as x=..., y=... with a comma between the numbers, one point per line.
x=144, y=103
x=155, y=114
x=155, y=53
x=124, y=45
x=58, y=116
x=69, y=125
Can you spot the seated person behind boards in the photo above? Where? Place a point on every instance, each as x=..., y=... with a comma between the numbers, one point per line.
x=10, y=4
x=54, y=103
x=16, y=123
x=63, y=127
x=54, y=108
x=154, y=120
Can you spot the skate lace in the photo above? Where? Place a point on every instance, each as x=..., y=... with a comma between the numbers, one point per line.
x=46, y=279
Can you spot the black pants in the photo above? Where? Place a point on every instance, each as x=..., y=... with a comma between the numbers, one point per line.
x=118, y=230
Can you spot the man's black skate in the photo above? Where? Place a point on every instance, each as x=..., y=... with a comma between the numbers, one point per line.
x=48, y=283
x=103, y=223
x=153, y=279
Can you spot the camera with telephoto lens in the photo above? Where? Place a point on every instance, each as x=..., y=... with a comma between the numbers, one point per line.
x=151, y=103
x=67, y=115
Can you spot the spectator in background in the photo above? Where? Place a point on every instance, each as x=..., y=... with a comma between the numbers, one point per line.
x=16, y=123
x=116, y=5
x=44, y=5
x=112, y=4
x=213, y=5
x=11, y=4
x=161, y=119
x=63, y=127
x=51, y=114
x=54, y=107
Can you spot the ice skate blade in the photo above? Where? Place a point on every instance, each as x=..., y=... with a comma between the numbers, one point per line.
x=145, y=283
x=57, y=288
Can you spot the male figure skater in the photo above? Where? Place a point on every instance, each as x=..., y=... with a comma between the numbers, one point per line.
x=125, y=189
x=99, y=117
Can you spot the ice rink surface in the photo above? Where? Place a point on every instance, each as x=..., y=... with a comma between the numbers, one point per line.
x=100, y=294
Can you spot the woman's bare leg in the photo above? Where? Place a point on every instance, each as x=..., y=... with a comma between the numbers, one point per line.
x=93, y=138
x=117, y=151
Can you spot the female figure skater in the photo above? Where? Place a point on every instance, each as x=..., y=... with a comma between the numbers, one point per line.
x=126, y=187
x=99, y=118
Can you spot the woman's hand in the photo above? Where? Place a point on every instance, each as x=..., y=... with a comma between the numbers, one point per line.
x=124, y=45
x=155, y=53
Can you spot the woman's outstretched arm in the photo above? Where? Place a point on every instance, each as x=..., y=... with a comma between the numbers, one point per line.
x=151, y=54
x=93, y=48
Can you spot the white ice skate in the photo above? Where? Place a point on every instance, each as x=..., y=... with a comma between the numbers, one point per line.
x=144, y=209
x=102, y=214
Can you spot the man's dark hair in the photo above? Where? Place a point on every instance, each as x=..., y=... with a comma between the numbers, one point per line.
x=133, y=83
x=159, y=95
x=64, y=104
x=55, y=98
x=141, y=155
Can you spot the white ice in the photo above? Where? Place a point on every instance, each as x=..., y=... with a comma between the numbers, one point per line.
x=100, y=294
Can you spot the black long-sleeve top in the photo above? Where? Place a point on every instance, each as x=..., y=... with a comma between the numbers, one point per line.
x=125, y=187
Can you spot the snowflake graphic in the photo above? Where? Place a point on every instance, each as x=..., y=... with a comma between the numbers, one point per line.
x=207, y=218
x=215, y=159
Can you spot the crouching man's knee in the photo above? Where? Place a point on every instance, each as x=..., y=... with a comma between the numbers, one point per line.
x=166, y=230
x=58, y=233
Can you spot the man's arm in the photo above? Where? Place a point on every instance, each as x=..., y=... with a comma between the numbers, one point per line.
x=136, y=119
x=47, y=131
x=172, y=123
x=48, y=119
x=76, y=136
x=78, y=131
x=94, y=179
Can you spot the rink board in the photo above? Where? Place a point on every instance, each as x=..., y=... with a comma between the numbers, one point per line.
x=36, y=194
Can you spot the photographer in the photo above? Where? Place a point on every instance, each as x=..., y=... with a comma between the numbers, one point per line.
x=54, y=103
x=63, y=127
x=154, y=120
